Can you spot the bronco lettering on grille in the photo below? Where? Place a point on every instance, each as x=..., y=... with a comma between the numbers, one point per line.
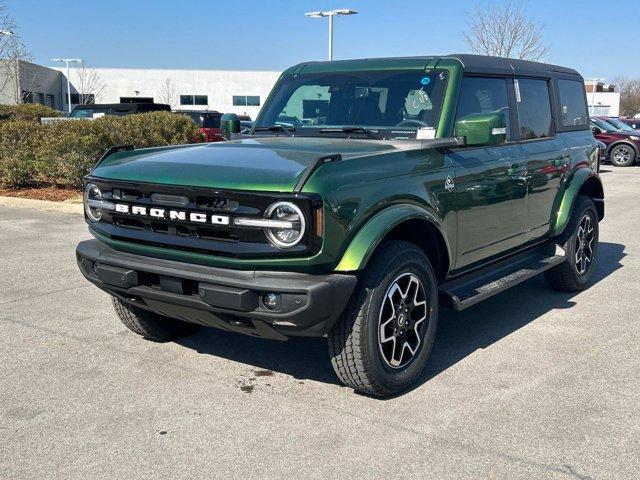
x=179, y=215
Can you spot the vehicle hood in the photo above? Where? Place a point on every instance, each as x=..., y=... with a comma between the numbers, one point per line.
x=264, y=163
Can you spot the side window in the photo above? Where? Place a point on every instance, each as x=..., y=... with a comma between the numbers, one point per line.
x=534, y=108
x=573, y=107
x=484, y=95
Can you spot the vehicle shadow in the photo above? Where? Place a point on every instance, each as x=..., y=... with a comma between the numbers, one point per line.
x=459, y=333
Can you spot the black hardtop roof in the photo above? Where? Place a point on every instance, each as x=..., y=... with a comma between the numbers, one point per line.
x=509, y=66
x=474, y=64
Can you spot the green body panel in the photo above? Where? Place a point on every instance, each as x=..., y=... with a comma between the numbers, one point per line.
x=569, y=196
x=272, y=164
x=369, y=237
x=473, y=196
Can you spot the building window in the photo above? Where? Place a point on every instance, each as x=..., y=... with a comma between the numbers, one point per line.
x=246, y=100
x=194, y=100
x=50, y=101
x=186, y=100
x=27, y=96
x=75, y=98
x=599, y=110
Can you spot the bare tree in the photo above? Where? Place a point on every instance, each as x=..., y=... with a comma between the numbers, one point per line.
x=89, y=83
x=505, y=30
x=12, y=51
x=629, y=95
x=167, y=93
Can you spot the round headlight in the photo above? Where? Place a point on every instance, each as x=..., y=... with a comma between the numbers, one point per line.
x=285, y=212
x=92, y=197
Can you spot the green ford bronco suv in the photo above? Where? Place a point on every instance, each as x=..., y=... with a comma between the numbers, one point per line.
x=368, y=194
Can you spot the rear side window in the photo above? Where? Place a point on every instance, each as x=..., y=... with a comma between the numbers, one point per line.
x=572, y=103
x=484, y=95
x=534, y=108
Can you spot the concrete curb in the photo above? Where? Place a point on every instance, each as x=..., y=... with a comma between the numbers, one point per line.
x=73, y=208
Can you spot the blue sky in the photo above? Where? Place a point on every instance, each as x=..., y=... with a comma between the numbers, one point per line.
x=273, y=34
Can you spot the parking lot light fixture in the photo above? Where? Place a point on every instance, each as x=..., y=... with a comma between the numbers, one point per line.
x=331, y=14
x=67, y=61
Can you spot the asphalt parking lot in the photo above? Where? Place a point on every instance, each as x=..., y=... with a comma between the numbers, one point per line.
x=529, y=384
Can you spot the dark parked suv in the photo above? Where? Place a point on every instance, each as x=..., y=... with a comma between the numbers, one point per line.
x=91, y=110
x=623, y=147
x=395, y=187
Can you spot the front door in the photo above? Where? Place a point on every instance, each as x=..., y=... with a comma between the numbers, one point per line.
x=490, y=182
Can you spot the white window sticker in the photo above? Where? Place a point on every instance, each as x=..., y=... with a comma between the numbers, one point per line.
x=516, y=86
x=426, y=133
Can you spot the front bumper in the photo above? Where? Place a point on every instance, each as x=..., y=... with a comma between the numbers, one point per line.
x=308, y=305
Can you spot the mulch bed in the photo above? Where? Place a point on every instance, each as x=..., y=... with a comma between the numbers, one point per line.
x=53, y=194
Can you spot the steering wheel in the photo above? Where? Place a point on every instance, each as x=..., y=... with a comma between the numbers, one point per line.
x=412, y=123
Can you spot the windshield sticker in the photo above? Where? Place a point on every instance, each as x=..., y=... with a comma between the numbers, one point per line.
x=425, y=81
x=516, y=86
x=426, y=133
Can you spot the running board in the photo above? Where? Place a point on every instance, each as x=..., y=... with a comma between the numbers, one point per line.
x=475, y=287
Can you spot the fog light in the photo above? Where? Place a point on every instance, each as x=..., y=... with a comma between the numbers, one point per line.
x=271, y=300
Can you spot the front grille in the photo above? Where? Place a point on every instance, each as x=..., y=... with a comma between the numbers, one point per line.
x=184, y=234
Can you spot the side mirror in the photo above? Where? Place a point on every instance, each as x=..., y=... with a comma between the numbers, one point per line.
x=482, y=129
x=596, y=130
x=229, y=124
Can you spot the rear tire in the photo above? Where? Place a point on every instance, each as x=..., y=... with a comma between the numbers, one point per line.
x=151, y=325
x=622, y=156
x=382, y=342
x=580, y=241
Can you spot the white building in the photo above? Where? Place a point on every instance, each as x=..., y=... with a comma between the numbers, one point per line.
x=602, y=98
x=241, y=92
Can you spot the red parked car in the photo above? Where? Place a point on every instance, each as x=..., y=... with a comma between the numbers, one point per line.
x=622, y=147
x=209, y=123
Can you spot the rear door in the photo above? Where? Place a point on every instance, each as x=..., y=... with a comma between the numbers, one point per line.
x=547, y=160
x=489, y=181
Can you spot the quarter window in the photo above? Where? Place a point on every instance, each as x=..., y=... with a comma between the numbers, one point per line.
x=534, y=108
x=484, y=95
x=572, y=104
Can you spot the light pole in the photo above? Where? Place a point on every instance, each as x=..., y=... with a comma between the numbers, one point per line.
x=331, y=14
x=67, y=61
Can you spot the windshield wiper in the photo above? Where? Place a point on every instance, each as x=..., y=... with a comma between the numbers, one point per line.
x=276, y=128
x=367, y=131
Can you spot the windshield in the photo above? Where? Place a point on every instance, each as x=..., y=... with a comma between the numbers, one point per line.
x=620, y=125
x=389, y=104
x=606, y=126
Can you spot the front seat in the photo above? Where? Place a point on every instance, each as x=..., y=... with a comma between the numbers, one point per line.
x=364, y=111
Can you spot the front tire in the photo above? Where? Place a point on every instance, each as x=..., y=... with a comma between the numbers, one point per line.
x=382, y=342
x=622, y=156
x=580, y=241
x=151, y=325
